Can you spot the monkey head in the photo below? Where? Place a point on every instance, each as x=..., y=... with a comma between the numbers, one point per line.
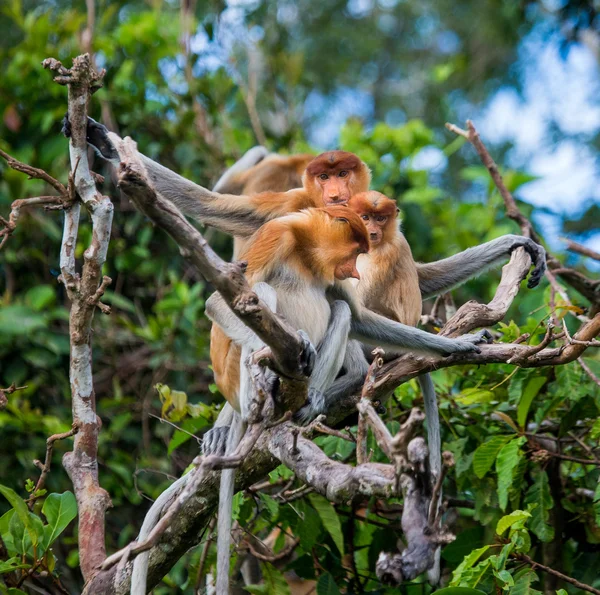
x=333, y=177
x=341, y=245
x=377, y=212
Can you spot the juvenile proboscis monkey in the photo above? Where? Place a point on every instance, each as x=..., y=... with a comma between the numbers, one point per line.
x=291, y=262
x=389, y=285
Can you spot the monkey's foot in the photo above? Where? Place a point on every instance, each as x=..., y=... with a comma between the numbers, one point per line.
x=96, y=136
x=315, y=406
x=215, y=441
x=538, y=257
x=308, y=356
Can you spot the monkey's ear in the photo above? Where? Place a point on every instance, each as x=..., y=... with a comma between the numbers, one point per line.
x=397, y=210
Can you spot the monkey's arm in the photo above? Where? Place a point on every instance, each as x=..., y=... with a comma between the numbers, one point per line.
x=443, y=275
x=237, y=215
x=331, y=355
x=374, y=329
x=232, y=181
x=379, y=331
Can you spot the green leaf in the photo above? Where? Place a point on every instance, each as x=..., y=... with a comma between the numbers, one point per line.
x=5, y=533
x=309, y=528
x=20, y=320
x=467, y=563
x=59, y=510
x=275, y=581
x=472, y=396
x=510, y=519
x=507, y=460
x=271, y=505
x=22, y=511
x=458, y=591
x=12, y=564
x=326, y=585
x=529, y=393
x=40, y=297
x=539, y=494
x=485, y=455
x=523, y=582
x=330, y=519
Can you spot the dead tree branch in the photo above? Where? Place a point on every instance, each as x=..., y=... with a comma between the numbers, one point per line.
x=81, y=464
x=589, y=288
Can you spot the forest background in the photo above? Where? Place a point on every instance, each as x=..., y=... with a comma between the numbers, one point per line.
x=198, y=83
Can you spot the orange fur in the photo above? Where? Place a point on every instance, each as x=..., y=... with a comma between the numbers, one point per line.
x=312, y=245
x=275, y=173
x=389, y=282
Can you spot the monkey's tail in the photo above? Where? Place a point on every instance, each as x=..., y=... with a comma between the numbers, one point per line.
x=434, y=442
x=140, y=564
x=225, y=504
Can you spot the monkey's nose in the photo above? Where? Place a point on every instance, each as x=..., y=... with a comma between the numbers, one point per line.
x=373, y=236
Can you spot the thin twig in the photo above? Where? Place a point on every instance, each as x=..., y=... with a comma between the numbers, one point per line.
x=8, y=391
x=581, y=249
x=45, y=467
x=588, y=371
x=560, y=575
x=204, y=554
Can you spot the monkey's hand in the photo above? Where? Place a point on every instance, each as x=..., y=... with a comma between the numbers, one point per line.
x=538, y=258
x=468, y=343
x=308, y=356
x=215, y=441
x=315, y=406
x=96, y=136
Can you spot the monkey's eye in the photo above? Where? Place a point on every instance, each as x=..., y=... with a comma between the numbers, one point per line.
x=324, y=177
x=364, y=217
x=343, y=173
x=381, y=219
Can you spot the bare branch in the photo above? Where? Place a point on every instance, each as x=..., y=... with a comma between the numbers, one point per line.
x=81, y=464
x=45, y=467
x=581, y=249
x=590, y=289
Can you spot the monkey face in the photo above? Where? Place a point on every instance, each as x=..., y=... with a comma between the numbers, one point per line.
x=335, y=186
x=375, y=224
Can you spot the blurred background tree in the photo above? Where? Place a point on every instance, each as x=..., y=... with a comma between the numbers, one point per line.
x=198, y=83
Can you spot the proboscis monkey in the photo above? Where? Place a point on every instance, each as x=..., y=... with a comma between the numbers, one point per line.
x=291, y=262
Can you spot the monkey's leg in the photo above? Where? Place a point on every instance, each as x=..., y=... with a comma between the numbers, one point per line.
x=331, y=355
x=443, y=275
x=214, y=441
x=229, y=182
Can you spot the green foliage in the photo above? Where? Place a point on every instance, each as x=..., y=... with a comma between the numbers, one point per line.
x=26, y=538
x=157, y=334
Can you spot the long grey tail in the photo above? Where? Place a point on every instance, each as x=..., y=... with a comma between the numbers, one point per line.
x=140, y=564
x=434, y=442
x=225, y=504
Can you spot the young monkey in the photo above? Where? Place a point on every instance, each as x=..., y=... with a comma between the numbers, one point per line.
x=389, y=285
